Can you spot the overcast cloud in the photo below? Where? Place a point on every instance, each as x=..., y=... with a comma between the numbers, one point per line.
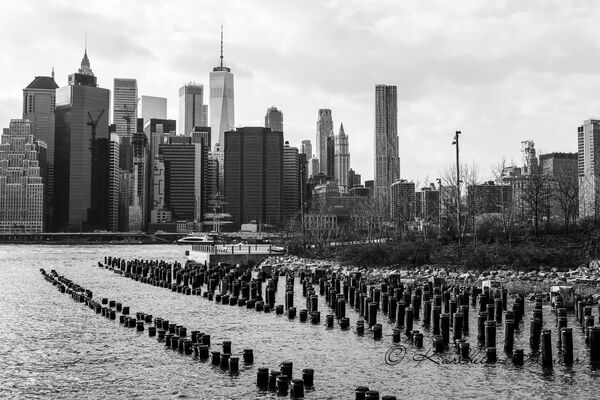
x=500, y=72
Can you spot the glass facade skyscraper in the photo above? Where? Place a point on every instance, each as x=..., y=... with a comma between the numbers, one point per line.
x=82, y=153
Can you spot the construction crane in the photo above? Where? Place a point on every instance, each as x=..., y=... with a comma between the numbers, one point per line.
x=129, y=114
x=93, y=123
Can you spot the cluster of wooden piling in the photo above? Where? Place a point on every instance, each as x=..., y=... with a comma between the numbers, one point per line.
x=434, y=309
x=225, y=285
x=281, y=380
x=174, y=336
x=444, y=311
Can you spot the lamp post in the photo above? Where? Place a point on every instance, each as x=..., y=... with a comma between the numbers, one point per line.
x=439, y=181
x=455, y=142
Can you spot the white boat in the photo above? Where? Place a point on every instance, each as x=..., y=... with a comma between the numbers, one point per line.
x=208, y=238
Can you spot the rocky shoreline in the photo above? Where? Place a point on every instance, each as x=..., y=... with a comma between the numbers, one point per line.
x=582, y=275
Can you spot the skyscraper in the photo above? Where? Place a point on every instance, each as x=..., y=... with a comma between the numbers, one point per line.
x=153, y=107
x=21, y=187
x=254, y=175
x=588, y=159
x=221, y=100
x=114, y=179
x=125, y=97
x=330, y=172
x=81, y=168
x=387, y=160
x=291, y=182
x=274, y=119
x=324, y=130
x=184, y=171
x=307, y=149
x=342, y=159
x=191, y=108
x=39, y=98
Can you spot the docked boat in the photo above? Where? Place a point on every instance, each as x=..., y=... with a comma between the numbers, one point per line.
x=209, y=238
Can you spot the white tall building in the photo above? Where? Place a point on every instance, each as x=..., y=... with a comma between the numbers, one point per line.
x=324, y=130
x=342, y=159
x=274, y=119
x=125, y=97
x=113, y=182
x=153, y=107
x=387, y=160
x=221, y=101
x=191, y=108
x=21, y=187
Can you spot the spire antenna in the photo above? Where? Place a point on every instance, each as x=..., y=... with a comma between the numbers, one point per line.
x=85, y=45
x=221, y=46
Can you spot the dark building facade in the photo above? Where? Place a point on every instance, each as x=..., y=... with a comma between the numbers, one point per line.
x=185, y=165
x=490, y=198
x=331, y=156
x=291, y=182
x=82, y=153
x=254, y=176
x=38, y=107
x=428, y=204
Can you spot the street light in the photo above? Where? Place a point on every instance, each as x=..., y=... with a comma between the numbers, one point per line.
x=455, y=142
x=439, y=181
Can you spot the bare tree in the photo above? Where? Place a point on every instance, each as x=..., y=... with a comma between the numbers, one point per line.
x=469, y=175
x=536, y=196
x=505, y=204
x=565, y=191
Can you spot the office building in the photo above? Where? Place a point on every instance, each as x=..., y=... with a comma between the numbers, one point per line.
x=139, y=207
x=324, y=130
x=307, y=149
x=330, y=172
x=185, y=172
x=427, y=204
x=274, y=119
x=153, y=107
x=254, y=176
x=125, y=98
x=114, y=184
x=561, y=170
x=21, y=186
x=313, y=167
x=342, y=159
x=387, y=160
x=39, y=99
x=354, y=179
x=402, y=203
x=291, y=182
x=490, y=198
x=158, y=131
x=222, y=117
x=82, y=165
x=556, y=164
x=588, y=160
x=191, y=108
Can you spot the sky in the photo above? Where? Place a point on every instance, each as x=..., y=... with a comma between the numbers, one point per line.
x=500, y=72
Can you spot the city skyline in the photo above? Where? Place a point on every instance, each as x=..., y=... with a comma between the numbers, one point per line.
x=500, y=73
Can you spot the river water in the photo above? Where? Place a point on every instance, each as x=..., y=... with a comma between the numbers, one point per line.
x=52, y=347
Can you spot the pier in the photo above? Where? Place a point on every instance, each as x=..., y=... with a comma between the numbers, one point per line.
x=244, y=254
